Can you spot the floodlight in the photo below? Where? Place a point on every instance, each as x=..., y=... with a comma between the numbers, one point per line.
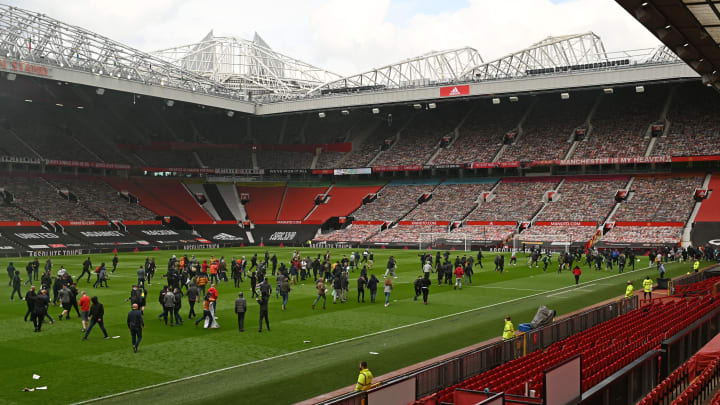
x=496, y=101
x=608, y=90
x=639, y=89
x=376, y=111
x=514, y=99
x=564, y=96
x=321, y=115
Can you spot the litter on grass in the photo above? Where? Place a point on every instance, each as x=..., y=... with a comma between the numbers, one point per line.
x=41, y=388
x=116, y=337
x=36, y=377
x=29, y=389
x=375, y=353
x=306, y=341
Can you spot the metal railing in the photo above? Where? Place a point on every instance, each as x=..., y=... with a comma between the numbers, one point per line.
x=446, y=373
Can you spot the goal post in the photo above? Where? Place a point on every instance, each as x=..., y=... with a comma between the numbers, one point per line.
x=554, y=243
x=437, y=240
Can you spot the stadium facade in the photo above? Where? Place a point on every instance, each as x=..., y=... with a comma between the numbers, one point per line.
x=227, y=142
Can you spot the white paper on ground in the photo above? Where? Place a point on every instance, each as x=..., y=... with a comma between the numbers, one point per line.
x=116, y=337
x=41, y=388
x=375, y=353
x=36, y=377
x=29, y=389
x=306, y=341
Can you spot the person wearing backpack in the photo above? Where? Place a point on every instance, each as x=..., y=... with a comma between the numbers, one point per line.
x=135, y=324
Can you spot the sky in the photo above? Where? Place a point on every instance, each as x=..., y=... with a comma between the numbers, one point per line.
x=348, y=36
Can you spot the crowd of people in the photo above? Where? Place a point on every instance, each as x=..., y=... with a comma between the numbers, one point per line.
x=669, y=235
x=583, y=201
x=659, y=199
x=512, y=201
x=392, y=203
x=449, y=202
x=693, y=129
x=548, y=130
x=568, y=233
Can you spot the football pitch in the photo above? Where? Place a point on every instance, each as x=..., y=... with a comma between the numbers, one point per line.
x=307, y=353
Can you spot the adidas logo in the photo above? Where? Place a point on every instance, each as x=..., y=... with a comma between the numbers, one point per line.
x=455, y=92
x=225, y=236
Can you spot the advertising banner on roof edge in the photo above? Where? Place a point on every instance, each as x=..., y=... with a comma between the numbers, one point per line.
x=454, y=91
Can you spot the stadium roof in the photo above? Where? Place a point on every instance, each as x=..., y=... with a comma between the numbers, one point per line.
x=690, y=28
x=248, y=66
x=248, y=76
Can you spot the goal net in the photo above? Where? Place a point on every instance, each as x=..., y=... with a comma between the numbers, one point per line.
x=552, y=243
x=447, y=241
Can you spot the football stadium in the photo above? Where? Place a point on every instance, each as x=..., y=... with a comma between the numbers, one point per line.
x=218, y=221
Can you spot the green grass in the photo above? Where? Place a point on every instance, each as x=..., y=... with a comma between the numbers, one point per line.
x=275, y=367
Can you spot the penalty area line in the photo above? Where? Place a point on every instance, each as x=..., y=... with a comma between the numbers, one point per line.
x=250, y=363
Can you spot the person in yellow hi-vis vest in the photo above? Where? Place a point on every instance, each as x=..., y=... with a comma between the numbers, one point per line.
x=630, y=290
x=509, y=330
x=647, y=288
x=696, y=265
x=364, y=381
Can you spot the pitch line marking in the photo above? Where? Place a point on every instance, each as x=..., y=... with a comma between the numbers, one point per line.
x=250, y=363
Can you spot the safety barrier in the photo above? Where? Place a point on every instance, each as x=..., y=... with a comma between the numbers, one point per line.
x=443, y=374
x=680, y=347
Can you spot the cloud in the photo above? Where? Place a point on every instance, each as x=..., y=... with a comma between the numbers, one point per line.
x=352, y=36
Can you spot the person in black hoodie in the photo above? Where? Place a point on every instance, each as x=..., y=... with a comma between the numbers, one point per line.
x=372, y=286
x=30, y=301
x=40, y=307
x=97, y=312
x=87, y=265
x=16, y=286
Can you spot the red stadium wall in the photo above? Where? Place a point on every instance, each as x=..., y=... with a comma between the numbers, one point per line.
x=298, y=202
x=710, y=208
x=343, y=201
x=164, y=197
x=265, y=200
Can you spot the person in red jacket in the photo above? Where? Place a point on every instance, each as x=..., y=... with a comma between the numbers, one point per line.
x=458, y=277
x=577, y=272
x=213, y=299
x=84, y=310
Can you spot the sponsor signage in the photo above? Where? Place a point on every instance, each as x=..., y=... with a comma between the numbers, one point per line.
x=706, y=158
x=201, y=246
x=159, y=232
x=7, y=248
x=565, y=223
x=491, y=223
x=322, y=171
x=454, y=91
x=57, y=246
x=675, y=224
x=404, y=223
x=445, y=166
x=508, y=164
x=401, y=168
x=20, y=223
x=18, y=159
x=610, y=161
x=81, y=223
x=368, y=222
x=480, y=165
x=283, y=222
x=206, y=170
x=24, y=67
x=102, y=234
x=142, y=222
x=282, y=236
x=36, y=235
x=343, y=172
x=97, y=165
x=65, y=252
x=39, y=246
x=286, y=171
x=226, y=236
